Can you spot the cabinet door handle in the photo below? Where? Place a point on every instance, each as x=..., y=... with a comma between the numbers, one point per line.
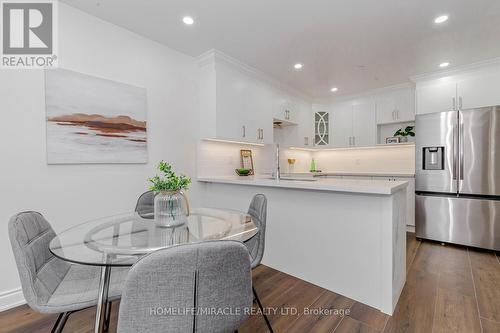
x=258, y=133
x=261, y=134
x=454, y=103
x=460, y=103
x=354, y=141
x=306, y=141
x=393, y=115
x=397, y=114
x=244, y=133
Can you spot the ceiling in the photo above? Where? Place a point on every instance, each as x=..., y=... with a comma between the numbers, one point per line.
x=355, y=45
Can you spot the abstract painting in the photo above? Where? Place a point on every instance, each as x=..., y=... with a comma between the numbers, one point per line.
x=94, y=120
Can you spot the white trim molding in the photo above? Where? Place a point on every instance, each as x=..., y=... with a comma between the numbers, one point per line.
x=214, y=56
x=372, y=92
x=11, y=298
x=462, y=69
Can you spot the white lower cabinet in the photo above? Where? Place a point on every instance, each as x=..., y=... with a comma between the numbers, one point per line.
x=410, y=196
x=410, y=191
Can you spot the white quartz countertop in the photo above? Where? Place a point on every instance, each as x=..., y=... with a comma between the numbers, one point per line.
x=357, y=174
x=362, y=186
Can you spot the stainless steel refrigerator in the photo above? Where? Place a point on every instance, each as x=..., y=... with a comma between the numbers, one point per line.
x=457, y=180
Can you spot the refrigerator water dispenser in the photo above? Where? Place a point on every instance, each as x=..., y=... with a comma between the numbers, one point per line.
x=433, y=158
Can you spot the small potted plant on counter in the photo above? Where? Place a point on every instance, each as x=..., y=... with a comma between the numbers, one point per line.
x=408, y=131
x=170, y=205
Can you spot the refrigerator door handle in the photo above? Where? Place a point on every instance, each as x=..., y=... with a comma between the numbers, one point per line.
x=461, y=151
x=455, y=151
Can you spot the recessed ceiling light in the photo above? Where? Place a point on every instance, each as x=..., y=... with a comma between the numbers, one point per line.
x=334, y=89
x=188, y=20
x=298, y=66
x=441, y=19
x=444, y=64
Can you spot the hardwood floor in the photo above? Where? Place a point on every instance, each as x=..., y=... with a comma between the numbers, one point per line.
x=448, y=289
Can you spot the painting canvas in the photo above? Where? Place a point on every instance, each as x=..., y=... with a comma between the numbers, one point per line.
x=93, y=120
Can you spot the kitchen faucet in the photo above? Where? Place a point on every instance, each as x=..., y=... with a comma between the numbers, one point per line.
x=277, y=172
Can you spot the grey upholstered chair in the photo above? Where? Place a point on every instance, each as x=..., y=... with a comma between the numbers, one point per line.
x=255, y=245
x=174, y=289
x=52, y=285
x=145, y=204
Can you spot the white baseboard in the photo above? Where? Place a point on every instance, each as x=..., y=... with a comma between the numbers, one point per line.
x=410, y=228
x=11, y=298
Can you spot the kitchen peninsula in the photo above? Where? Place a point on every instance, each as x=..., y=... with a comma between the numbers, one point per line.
x=345, y=235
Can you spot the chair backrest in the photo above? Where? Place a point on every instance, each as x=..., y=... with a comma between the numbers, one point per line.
x=145, y=204
x=39, y=270
x=258, y=211
x=184, y=288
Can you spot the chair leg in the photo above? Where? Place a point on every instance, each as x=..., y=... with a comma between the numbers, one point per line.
x=107, y=316
x=61, y=322
x=57, y=323
x=262, y=309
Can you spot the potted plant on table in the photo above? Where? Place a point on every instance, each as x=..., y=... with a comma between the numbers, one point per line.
x=171, y=206
x=408, y=131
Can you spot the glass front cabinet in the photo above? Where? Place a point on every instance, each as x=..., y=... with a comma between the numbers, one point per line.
x=321, y=128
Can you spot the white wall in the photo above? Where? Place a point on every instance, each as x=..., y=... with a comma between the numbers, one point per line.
x=71, y=194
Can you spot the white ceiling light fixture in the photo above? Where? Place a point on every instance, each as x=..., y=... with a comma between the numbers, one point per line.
x=441, y=19
x=444, y=64
x=298, y=66
x=334, y=89
x=188, y=20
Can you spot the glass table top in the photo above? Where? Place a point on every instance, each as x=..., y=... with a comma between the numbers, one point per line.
x=121, y=240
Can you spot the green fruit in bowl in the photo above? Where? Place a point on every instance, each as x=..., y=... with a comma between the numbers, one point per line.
x=243, y=171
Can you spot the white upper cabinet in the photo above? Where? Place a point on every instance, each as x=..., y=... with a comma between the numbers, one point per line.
x=287, y=110
x=297, y=131
x=354, y=124
x=341, y=125
x=436, y=97
x=237, y=105
x=363, y=124
x=460, y=91
x=243, y=112
x=479, y=91
x=396, y=106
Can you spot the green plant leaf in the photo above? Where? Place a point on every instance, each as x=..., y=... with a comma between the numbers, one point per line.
x=170, y=181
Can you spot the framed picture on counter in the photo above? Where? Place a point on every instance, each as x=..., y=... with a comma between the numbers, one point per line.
x=393, y=139
x=247, y=160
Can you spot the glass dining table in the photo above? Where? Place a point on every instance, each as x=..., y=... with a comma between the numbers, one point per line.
x=121, y=240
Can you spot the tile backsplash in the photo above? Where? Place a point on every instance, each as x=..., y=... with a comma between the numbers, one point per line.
x=219, y=159
x=398, y=159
